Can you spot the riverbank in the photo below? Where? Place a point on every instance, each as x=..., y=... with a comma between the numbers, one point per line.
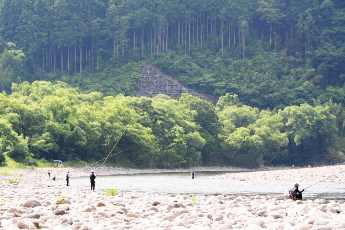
x=29, y=205
x=335, y=174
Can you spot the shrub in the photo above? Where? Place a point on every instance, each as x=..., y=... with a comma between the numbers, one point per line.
x=111, y=192
x=13, y=181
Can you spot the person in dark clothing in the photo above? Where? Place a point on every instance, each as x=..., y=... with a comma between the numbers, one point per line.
x=295, y=194
x=54, y=178
x=49, y=173
x=192, y=173
x=92, y=180
x=67, y=178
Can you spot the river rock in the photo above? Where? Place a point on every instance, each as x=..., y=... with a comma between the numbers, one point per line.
x=23, y=224
x=59, y=212
x=12, y=227
x=100, y=204
x=33, y=216
x=12, y=210
x=253, y=227
x=302, y=227
x=31, y=203
x=87, y=208
x=258, y=221
x=175, y=205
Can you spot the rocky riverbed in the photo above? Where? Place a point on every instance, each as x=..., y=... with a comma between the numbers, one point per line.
x=32, y=205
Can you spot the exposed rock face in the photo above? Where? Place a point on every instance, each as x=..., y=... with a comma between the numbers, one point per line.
x=152, y=82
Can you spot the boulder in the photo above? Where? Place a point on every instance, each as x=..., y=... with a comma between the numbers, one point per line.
x=175, y=205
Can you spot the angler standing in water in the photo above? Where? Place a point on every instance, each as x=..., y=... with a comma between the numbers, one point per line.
x=92, y=180
x=295, y=194
x=192, y=174
x=67, y=178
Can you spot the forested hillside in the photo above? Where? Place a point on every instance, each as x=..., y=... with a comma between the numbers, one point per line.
x=282, y=61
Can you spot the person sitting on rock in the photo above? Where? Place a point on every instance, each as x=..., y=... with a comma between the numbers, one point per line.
x=295, y=194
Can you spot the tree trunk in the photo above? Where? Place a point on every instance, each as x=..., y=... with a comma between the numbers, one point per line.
x=43, y=62
x=61, y=60
x=229, y=34
x=189, y=39
x=80, y=60
x=243, y=45
x=270, y=38
x=75, y=58
x=197, y=31
x=262, y=35
x=178, y=32
x=185, y=40
x=142, y=44
x=68, y=60
x=54, y=60
x=114, y=47
x=234, y=34
x=221, y=29
x=166, y=38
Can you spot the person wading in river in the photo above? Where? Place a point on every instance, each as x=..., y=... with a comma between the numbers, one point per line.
x=295, y=194
x=67, y=178
x=92, y=180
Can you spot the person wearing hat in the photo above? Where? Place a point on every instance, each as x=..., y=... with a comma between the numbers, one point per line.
x=92, y=180
x=295, y=193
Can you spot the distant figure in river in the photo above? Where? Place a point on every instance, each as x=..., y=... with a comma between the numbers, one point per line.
x=48, y=173
x=192, y=174
x=54, y=178
x=309, y=166
x=67, y=178
x=295, y=194
x=92, y=180
x=293, y=166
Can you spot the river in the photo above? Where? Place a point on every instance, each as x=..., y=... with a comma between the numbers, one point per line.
x=205, y=184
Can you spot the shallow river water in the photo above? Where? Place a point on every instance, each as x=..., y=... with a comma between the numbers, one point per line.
x=181, y=183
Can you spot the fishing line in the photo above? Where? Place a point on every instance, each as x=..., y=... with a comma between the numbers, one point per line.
x=321, y=180
x=115, y=144
x=108, y=156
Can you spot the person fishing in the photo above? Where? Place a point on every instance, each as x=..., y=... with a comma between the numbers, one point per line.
x=92, y=180
x=295, y=194
x=67, y=178
x=192, y=174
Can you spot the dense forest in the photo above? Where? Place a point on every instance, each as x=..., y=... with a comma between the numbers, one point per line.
x=277, y=67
